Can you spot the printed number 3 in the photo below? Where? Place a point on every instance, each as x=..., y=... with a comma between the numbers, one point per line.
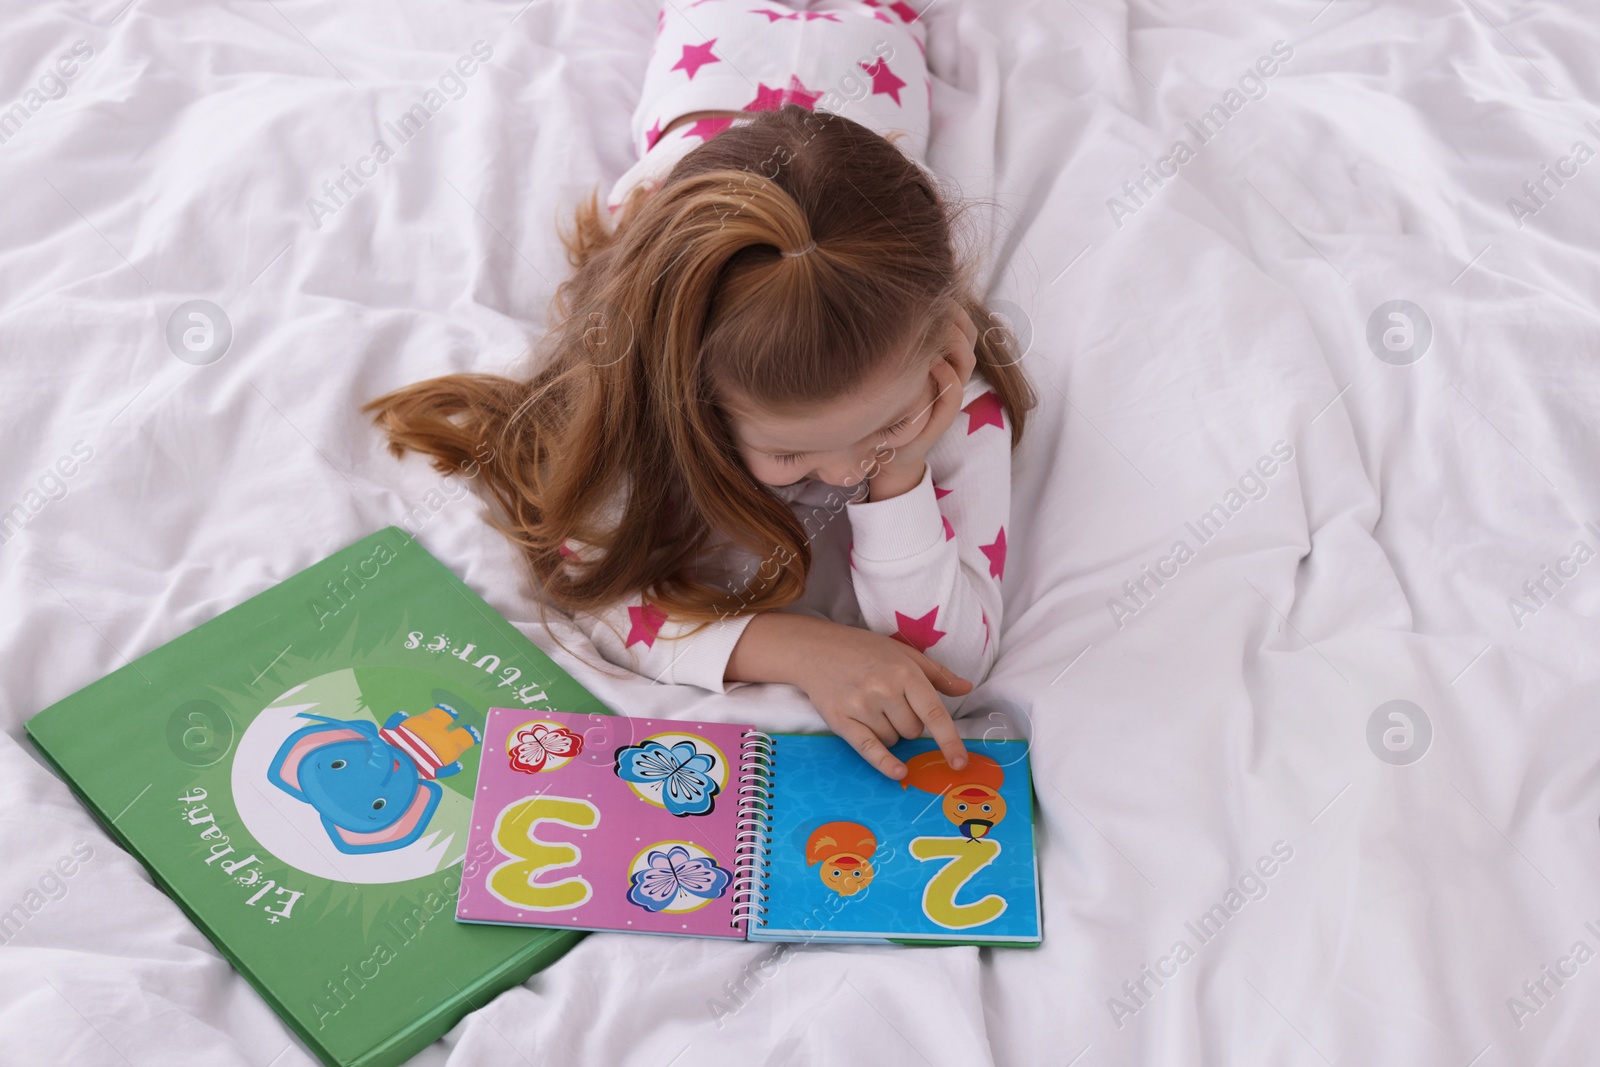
x=966, y=858
x=516, y=882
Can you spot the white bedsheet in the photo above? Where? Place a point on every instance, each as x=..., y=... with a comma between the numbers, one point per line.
x=1177, y=337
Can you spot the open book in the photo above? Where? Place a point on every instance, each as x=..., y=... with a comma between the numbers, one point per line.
x=596, y=822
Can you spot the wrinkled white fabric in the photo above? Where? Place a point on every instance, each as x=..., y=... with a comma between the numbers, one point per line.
x=1177, y=337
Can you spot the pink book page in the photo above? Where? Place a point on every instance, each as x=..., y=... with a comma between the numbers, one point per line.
x=604, y=822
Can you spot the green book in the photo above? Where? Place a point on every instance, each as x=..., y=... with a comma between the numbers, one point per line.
x=297, y=774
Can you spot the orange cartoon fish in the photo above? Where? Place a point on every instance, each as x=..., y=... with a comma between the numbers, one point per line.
x=845, y=850
x=972, y=799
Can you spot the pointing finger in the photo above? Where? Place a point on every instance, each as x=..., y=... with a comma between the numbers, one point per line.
x=931, y=710
x=864, y=741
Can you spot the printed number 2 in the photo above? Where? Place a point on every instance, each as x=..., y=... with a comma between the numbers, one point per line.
x=966, y=858
x=517, y=881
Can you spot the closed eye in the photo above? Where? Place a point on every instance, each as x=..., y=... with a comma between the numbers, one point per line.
x=794, y=457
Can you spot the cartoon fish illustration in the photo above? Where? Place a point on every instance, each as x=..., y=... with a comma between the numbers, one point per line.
x=845, y=851
x=972, y=799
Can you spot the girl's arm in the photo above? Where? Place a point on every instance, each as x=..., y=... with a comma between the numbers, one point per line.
x=870, y=690
x=640, y=637
x=927, y=563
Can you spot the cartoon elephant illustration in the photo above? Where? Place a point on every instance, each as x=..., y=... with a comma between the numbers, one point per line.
x=374, y=787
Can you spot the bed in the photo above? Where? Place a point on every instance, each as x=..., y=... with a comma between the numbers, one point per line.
x=1319, y=786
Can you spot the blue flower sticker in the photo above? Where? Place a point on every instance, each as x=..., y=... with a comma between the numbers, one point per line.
x=672, y=872
x=683, y=772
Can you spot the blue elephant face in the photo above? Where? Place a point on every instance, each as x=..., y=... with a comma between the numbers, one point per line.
x=368, y=793
x=359, y=784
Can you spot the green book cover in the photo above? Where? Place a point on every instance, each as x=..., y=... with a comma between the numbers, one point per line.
x=297, y=774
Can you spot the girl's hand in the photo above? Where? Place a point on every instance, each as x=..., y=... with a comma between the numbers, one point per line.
x=899, y=469
x=870, y=689
x=873, y=690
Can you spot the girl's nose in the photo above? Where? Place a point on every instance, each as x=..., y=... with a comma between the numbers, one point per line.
x=841, y=473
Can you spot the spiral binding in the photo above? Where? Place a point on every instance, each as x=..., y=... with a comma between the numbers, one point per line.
x=752, y=830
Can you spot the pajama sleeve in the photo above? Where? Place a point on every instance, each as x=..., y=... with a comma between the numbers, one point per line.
x=927, y=564
x=640, y=637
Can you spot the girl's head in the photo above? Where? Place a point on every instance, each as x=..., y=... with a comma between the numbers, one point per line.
x=694, y=365
x=827, y=278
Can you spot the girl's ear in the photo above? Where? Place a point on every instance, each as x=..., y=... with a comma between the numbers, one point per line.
x=962, y=351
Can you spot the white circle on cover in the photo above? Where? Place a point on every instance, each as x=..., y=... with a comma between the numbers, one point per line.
x=293, y=831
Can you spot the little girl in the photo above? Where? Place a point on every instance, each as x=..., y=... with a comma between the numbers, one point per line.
x=766, y=441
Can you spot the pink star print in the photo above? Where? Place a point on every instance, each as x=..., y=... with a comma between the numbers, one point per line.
x=652, y=135
x=645, y=622
x=696, y=56
x=985, y=615
x=884, y=80
x=984, y=411
x=918, y=633
x=770, y=99
x=807, y=16
x=566, y=551
x=906, y=12
x=940, y=494
x=705, y=129
x=996, y=551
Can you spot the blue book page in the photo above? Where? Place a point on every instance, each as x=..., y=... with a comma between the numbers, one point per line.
x=941, y=855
